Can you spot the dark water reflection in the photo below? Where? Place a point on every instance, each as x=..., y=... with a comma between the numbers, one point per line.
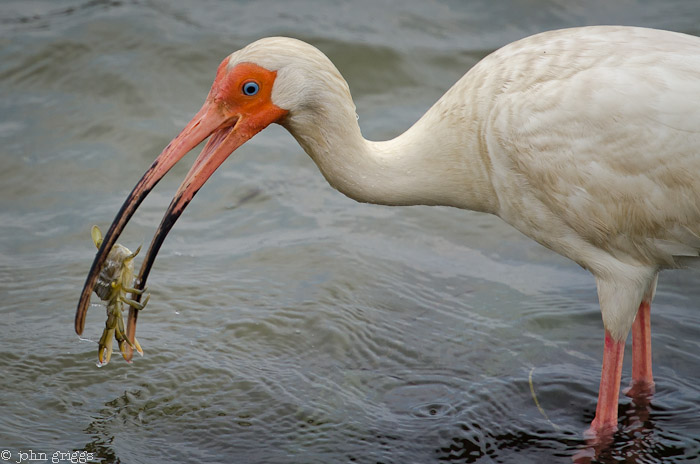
x=288, y=323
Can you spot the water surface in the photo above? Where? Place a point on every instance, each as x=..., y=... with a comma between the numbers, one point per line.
x=288, y=323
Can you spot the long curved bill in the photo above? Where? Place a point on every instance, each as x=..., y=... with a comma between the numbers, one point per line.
x=221, y=144
x=229, y=128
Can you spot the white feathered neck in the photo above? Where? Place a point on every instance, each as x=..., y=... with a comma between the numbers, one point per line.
x=428, y=164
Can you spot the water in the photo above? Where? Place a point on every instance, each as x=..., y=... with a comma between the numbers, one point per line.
x=288, y=323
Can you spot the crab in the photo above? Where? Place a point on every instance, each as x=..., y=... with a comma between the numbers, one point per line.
x=115, y=281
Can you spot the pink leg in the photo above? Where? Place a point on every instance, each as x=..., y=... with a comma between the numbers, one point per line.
x=605, y=422
x=642, y=385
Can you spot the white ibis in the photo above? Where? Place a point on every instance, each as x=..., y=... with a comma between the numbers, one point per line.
x=586, y=140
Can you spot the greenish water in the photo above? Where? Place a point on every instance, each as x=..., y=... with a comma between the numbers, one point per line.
x=288, y=323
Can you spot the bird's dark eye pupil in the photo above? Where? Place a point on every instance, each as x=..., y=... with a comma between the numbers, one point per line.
x=250, y=88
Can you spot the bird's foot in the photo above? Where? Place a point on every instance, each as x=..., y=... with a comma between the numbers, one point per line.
x=600, y=433
x=641, y=391
x=599, y=437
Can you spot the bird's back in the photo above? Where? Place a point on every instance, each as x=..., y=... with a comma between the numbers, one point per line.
x=593, y=136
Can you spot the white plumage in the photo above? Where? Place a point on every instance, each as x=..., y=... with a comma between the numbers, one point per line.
x=586, y=140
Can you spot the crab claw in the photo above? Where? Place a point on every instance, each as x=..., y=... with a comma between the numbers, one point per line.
x=134, y=309
x=96, y=234
x=135, y=291
x=136, y=304
x=133, y=255
x=104, y=347
x=124, y=342
x=137, y=347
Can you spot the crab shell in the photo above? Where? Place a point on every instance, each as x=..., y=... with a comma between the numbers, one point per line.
x=117, y=272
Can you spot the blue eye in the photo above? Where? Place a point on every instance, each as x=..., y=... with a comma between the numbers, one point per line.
x=250, y=88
